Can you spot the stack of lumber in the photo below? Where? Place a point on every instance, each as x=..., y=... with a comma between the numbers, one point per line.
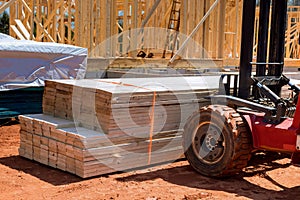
x=58, y=143
x=94, y=127
x=111, y=105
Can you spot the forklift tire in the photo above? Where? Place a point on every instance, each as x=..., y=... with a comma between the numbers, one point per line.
x=217, y=141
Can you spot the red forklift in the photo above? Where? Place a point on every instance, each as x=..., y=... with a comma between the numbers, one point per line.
x=248, y=113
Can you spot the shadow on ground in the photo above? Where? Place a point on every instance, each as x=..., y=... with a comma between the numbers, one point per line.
x=50, y=175
x=258, y=166
x=8, y=122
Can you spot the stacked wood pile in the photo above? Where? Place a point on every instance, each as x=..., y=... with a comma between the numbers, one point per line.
x=89, y=153
x=94, y=127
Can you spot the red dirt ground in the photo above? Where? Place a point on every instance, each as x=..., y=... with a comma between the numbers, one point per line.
x=269, y=176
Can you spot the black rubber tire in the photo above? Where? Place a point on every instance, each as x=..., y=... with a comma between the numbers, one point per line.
x=223, y=127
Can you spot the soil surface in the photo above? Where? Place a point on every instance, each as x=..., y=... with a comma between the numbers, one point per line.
x=269, y=176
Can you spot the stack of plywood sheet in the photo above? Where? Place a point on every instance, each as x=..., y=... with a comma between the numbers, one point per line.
x=94, y=127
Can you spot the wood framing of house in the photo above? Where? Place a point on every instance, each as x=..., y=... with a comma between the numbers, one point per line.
x=121, y=28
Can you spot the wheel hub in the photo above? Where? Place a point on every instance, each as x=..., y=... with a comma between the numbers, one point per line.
x=208, y=143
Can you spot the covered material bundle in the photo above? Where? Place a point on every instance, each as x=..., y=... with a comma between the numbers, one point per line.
x=26, y=63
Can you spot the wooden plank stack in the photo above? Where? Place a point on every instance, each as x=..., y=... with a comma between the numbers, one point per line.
x=94, y=127
x=59, y=144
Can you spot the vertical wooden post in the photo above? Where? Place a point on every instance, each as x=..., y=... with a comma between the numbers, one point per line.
x=125, y=29
x=68, y=39
x=183, y=22
x=91, y=41
x=183, y=13
x=62, y=24
x=54, y=32
x=133, y=43
x=97, y=31
x=114, y=28
x=12, y=15
x=288, y=37
x=236, y=29
x=84, y=22
x=32, y=2
x=221, y=26
x=50, y=6
x=214, y=27
x=103, y=23
x=38, y=15
x=192, y=20
x=20, y=10
x=108, y=28
x=77, y=22
x=206, y=30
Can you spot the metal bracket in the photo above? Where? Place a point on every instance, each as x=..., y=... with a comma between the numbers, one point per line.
x=266, y=63
x=298, y=143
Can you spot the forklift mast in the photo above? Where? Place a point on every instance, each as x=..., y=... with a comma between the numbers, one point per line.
x=262, y=91
x=274, y=66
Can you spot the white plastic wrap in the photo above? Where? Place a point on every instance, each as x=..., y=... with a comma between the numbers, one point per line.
x=27, y=63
